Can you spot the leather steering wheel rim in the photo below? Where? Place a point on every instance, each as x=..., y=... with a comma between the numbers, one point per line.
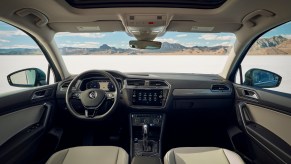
x=69, y=93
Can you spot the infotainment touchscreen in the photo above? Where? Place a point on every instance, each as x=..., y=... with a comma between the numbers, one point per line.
x=147, y=97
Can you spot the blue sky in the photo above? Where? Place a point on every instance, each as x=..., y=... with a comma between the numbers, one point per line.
x=11, y=37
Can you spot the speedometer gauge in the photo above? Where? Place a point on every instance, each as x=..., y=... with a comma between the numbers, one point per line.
x=110, y=86
x=93, y=84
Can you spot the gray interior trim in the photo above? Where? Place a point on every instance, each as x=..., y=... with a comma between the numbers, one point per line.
x=199, y=92
x=13, y=123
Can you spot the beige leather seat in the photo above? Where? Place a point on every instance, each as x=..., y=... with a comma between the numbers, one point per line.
x=201, y=155
x=90, y=155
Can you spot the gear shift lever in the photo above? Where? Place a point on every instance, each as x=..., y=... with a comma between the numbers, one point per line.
x=145, y=137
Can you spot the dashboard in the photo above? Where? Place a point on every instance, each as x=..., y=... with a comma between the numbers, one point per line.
x=160, y=91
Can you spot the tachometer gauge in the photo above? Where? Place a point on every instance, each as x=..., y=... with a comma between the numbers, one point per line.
x=111, y=87
x=93, y=84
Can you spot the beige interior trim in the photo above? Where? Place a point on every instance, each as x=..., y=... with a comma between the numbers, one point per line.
x=187, y=26
x=205, y=155
x=15, y=122
x=90, y=155
x=100, y=26
x=276, y=122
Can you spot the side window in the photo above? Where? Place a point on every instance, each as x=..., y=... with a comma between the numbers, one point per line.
x=268, y=63
x=19, y=53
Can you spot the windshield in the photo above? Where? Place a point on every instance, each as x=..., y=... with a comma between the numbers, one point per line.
x=179, y=53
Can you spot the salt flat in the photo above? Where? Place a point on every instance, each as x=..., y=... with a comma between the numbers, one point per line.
x=209, y=64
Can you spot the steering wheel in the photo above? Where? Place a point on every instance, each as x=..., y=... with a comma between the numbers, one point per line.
x=92, y=99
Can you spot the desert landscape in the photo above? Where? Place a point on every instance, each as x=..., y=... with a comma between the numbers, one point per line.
x=277, y=45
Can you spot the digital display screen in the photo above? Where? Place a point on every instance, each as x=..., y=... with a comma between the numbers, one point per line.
x=147, y=97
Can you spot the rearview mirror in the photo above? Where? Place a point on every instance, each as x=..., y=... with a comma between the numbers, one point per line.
x=30, y=77
x=143, y=44
x=262, y=78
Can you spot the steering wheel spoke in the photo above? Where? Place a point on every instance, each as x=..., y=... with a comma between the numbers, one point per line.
x=110, y=95
x=90, y=113
x=75, y=94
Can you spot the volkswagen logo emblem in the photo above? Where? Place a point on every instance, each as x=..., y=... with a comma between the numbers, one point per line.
x=93, y=94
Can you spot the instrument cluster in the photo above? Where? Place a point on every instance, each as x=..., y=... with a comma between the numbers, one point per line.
x=103, y=84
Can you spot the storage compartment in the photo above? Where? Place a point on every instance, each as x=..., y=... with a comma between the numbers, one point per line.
x=241, y=143
x=146, y=160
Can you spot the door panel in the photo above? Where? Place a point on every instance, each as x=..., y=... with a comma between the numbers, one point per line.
x=24, y=119
x=276, y=122
x=266, y=119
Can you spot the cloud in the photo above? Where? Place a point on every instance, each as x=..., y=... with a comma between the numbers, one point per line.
x=216, y=37
x=20, y=46
x=224, y=44
x=208, y=37
x=12, y=33
x=86, y=35
x=122, y=45
x=4, y=41
x=181, y=35
x=229, y=37
x=287, y=36
x=169, y=40
x=81, y=45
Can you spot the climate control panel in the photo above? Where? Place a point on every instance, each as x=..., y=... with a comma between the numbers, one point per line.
x=150, y=119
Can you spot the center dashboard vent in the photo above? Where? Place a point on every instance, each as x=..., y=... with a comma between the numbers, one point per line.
x=136, y=82
x=220, y=88
x=142, y=82
x=157, y=83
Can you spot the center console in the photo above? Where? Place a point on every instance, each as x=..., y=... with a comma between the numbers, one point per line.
x=145, y=96
x=146, y=133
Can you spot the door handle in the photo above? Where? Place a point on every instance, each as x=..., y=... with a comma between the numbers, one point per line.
x=39, y=94
x=250, y=94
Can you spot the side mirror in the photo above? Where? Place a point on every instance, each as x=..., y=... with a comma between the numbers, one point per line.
x=262, y=78
x=30, y=77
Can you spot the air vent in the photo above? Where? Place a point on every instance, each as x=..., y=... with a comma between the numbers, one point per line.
x=136, y=82
x=157, y=83
x=65, y=84
x=219, y=88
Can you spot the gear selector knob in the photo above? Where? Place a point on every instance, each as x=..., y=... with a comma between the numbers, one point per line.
x=145, y=137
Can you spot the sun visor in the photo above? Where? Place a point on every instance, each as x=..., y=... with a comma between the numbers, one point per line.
x=192, y=26
x=79, y=27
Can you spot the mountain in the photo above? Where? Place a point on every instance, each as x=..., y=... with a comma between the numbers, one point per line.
x=277, y=45
x=271, y=46
x=270, y=42
x=285, y=46
x=103, y=49
x=20, y=51
x=169, y=47
x=166, y=48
